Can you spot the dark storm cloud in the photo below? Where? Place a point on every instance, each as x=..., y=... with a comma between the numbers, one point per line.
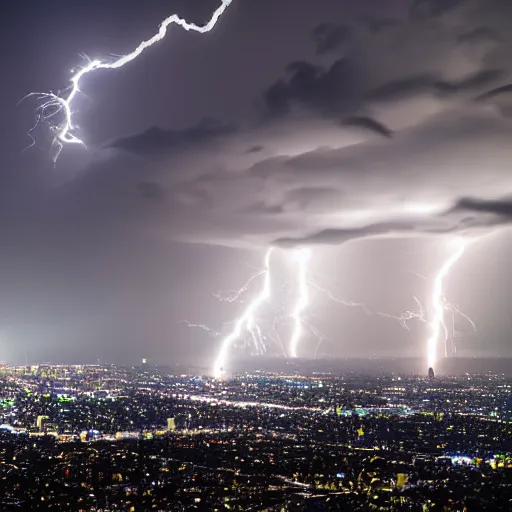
x=403, y=88
x=441, y=225
x=476, y=81
x=314, y=172
x=329, y=37
x=367, y=123
x=155, y=140
x=419, y=85
x=495, y=93
x=424, y=9
x=379, y=24
x=313, y=199
x=422, y=85
x=150, y=190
x=478, y=36
x=311, y=86
x=500, y=98
x=97, y=268
x=254, y=149
x=340, y=236
x=417, y=70
x=500, y=207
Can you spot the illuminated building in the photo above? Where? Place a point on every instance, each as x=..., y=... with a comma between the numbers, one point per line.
x=401, y=480
x=40, y=422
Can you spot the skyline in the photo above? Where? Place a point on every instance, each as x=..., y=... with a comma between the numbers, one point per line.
x=360, y=157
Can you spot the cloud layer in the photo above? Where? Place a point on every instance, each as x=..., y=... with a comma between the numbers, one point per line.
x=401, y=127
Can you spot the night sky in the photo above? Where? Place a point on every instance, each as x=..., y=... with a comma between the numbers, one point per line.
x=372, y=131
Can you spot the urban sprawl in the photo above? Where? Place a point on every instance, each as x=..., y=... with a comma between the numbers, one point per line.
x=112, y=438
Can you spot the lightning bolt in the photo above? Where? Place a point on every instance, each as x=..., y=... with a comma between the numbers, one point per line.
x=53, y=104
x=440, y=305
x=408, y=315
x=245, y=321
x=233, y=297
x=200, y=326
x=455, y=310
x=438, y=324
x=302, y=257
x=340, y=300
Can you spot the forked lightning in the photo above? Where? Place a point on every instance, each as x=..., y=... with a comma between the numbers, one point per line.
x=53, y=104
x=438, y=324
x=302, y=257
x=246, y=321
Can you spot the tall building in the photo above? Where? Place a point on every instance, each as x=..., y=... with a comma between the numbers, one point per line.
x=171, y=424
x=431, y=374
x=401, y=480
x=40, y=422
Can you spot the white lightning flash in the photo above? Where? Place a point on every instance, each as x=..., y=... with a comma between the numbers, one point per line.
x=233, y=297
x=245, y=321
x=438, y=324
x=408, y=315
x=248, y=321
x=302, y=256
x=203, y=327
x=340, y=300
x=52, y=104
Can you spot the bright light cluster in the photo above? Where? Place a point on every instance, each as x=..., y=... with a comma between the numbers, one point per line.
x=53, y=104
x=242, y=405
